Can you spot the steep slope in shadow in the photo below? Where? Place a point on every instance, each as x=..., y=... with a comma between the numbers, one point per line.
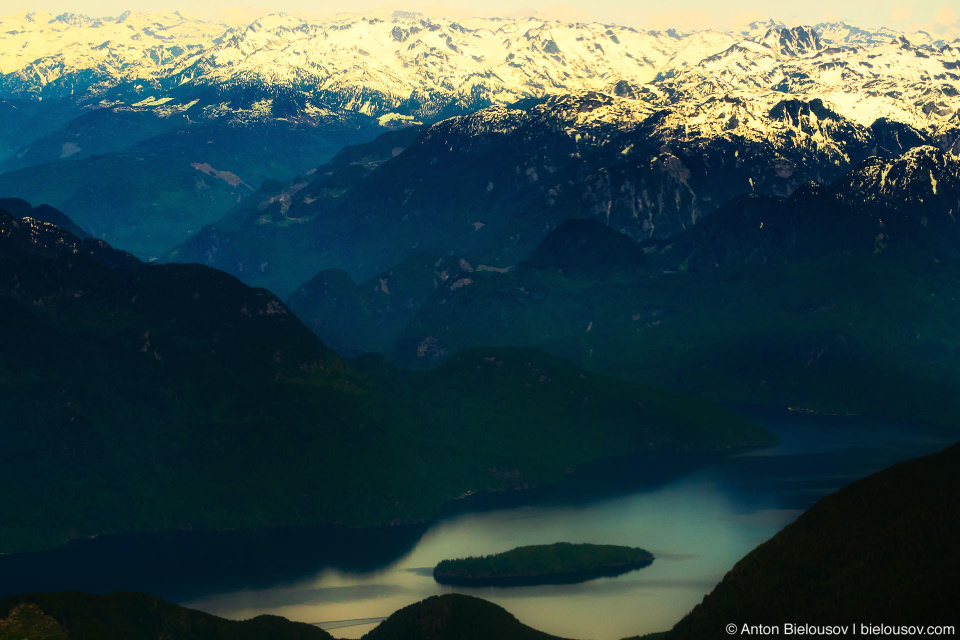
x=880, y=551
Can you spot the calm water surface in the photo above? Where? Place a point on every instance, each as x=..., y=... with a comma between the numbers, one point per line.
x=697, y=527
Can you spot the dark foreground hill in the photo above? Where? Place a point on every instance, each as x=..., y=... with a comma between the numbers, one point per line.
x=454, y=617
x=72, y=615
x=879, y=551
x=144, y=397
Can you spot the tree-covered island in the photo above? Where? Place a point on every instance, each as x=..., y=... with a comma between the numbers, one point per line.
x=558, y=563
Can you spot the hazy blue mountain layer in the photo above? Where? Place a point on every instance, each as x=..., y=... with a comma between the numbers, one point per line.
x=44, y=213
x=838, y=299
x=149, y=184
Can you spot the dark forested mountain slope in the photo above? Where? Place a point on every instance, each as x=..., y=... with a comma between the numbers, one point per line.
x=580, y=248
x=369, y=316
x=924, y=178
x=356, y=318
x=818, y=301
x=880, y=551
x=907, y=204
x=146, y=397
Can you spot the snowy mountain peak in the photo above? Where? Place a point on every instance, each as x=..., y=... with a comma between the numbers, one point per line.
x=422, y=67
x=794, y=42
x=923, y=178
x=841, y=33
x=77, y=20
x=40, y=17
x=276, y=21
x=37, y=50
x=759, y=28
x=794, y=112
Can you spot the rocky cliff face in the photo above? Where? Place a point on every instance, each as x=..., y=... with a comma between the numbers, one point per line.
x=490, y=185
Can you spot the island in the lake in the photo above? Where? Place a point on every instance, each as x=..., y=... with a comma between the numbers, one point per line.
x=559, y=563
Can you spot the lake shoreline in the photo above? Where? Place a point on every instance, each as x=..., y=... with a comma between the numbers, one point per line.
x=567, y=577
x=197, y=565
x=698, y=522
x=134, y=561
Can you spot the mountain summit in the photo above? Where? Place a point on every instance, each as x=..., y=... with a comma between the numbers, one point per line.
x=795, y=42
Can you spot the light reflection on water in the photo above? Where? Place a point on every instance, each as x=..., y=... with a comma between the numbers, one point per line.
x=697, y=527
x=691, y=527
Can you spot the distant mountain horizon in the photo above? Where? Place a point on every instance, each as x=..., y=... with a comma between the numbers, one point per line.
x=206, y=112
x=168, y=62
x=239, y=16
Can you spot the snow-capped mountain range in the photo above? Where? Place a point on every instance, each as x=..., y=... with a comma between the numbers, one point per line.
x=42, y=54
x=411, y=66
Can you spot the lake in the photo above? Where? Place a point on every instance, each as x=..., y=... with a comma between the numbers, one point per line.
x=697, y=527
x=697, y=522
